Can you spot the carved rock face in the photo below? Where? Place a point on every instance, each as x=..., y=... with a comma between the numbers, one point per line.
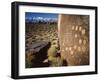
x=73, y=35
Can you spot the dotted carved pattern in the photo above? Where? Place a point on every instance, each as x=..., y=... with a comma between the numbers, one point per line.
x=74, y=37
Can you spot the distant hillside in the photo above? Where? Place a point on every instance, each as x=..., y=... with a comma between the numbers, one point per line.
x=40, y=19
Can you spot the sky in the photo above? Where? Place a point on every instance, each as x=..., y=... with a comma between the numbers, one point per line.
x=32, y=15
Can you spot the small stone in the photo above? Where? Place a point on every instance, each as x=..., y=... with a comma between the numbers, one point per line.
x=70, y=48
x=71, y=52
x=76, y=28
x=76, y=35
x=66, y=48
x=80, y=28
x=80, y=41
x=83, y=31
x=73, y=27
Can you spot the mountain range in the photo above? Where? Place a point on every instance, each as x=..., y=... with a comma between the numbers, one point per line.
x=41, y=19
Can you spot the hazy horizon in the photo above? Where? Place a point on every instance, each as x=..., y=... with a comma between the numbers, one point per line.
x=34, y=17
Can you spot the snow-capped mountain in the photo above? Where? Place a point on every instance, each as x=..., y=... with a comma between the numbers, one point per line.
x=41, y=19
